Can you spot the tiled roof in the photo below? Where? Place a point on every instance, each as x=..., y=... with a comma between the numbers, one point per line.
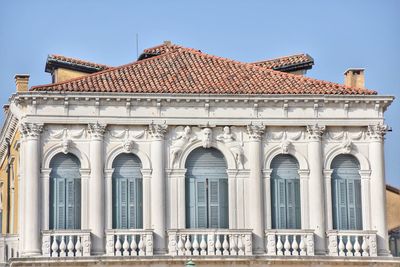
x=76, y=62
x=286, y=62
x=189, y=71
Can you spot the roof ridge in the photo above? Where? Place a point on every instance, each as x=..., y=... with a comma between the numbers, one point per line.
x=283, y=57
x=54, y=56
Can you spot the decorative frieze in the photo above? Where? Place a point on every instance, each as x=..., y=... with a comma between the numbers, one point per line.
x=235, y=146
x=180, y=142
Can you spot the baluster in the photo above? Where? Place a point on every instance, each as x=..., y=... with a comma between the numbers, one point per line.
x=286, y=245
x=78, y=246
x=134, y=246
x=303, y=251
x=295, y=246
x=218, y=246
x=181, y=247
x=240, y=245
x=118, y=247
x=349, y=247
x=225, y=245
x=141, y=246
x=232, y=244
x=364, y=247
x=341, y=247
x=54, y=247
x=188, y=246
x=63, y=247
x=279, y=246
x=203, y=245
x=125, y=246
x=70, y=247
x=196, y=246
x=357, y=247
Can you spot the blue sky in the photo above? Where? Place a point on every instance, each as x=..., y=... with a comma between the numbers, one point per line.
x=337, y=34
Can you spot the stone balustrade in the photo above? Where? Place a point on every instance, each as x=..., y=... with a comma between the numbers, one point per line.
x=194, y=242
x=9, y=247
x=132, y=242
x=66, y=243
x=352, y=243
x=294, y=242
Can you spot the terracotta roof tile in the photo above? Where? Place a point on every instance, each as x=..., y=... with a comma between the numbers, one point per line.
x=283, y=62
x=182, y=70
x=75, y=61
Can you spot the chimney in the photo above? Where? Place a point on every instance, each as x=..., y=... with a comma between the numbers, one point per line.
x=354, y=77
x=168, y=43
x=21, y=82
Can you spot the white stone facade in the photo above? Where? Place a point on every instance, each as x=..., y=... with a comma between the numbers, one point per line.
x=163, y=129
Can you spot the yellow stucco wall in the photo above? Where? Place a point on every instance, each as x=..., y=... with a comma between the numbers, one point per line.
x=393, y=209
x=12, y=218
x=61, y=74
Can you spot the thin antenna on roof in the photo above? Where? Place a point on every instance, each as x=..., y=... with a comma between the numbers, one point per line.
x=137, y=45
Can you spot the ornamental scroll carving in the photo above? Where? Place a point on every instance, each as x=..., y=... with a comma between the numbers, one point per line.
x=180, y=142
x=97, y=130
x=30, y=129
x=315, y=131
x=157, y=131
x=235, y=146
x=255, y=132
x=377, y=131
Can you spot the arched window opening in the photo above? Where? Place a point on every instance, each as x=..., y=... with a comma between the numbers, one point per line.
x=127, y=192
x=65, y=192
x=285, y=185
x=346, y=193
x=206, y=189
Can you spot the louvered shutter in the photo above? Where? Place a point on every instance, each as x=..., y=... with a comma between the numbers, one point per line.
x=346, y=186
x=285, y=196
x=127, y=192
x=65, y=194
x=206, y=189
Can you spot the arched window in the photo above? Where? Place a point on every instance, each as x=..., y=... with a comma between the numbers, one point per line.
x=346, y=193
x=206, y=189
x=65, y=192
x=285, y=185
x=127, y=192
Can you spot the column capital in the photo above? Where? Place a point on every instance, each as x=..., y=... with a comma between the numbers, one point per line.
x=315, y=131
x=96, y=130
x=255, y=132
x=377, y=131
x=157, y=131
x=30, y=129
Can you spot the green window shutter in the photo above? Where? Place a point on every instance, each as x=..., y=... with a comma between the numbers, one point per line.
x=206, y=189
x=65, y=192
x=127, y=192
x=285, y=193
x=346, y=193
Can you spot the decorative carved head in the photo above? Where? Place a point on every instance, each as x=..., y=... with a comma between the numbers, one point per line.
x=187, y=130
x=346, y=146
x=207, y=137
x=285, y=145
x=227, y=130
x=128, y=146
x=66, y=145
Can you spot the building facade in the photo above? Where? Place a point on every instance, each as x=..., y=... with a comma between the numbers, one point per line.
x=186, y=155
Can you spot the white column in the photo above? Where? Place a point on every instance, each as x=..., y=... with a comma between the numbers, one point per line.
x=176, y=203
x=32, y=224
x=232, y=194
x=316, y=188
x=378, y=197
x=158, y=206
x=146, y=174
x=267, y=199
x=304, y=198
x=255, y=187
x=45, y=194
x=328, y=199
x=96, y=184
x=85, y=178
x=108, y=198
x=366, y=198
